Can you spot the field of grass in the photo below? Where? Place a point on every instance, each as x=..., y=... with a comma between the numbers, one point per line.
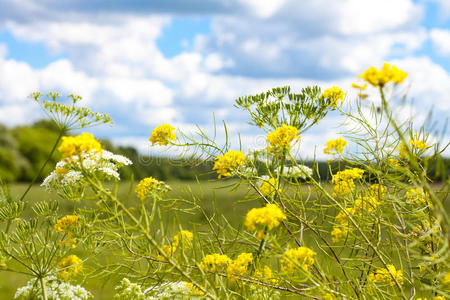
x=213, y=197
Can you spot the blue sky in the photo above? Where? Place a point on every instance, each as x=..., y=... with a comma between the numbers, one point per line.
x=178, y=62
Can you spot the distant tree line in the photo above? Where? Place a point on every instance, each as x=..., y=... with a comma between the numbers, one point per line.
x=24, y=149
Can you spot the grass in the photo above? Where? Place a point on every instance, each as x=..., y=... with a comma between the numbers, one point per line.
x=212, y=196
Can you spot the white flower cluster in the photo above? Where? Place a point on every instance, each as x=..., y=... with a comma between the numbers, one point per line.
x=296, y=172
x=169, y=290
x=69, y=172
x=55, y=290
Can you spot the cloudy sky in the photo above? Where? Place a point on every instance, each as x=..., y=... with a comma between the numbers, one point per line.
x=178, y=61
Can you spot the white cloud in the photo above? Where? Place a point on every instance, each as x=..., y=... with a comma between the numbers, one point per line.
x=441, y=40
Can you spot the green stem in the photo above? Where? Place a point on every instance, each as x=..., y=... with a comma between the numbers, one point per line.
x=44, y=292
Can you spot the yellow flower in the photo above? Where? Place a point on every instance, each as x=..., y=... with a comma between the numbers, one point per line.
x=301, y=256
x=377, y=190
x=280, y=140
x=263, y=218
x=335, y=146
x=239, y=266
x=183, y=237
x=266, y=274
x=446, y=280
x=343, y=181
x=334, y=95
x=214, y=262
x=435, y=298
x=195, y=290
x=75, y=145
x=367, y=204
x=418, y=144
x=383, y=275
x=269, y=187
x=381, y=77
x=162, y=135
x=168, y=250
x=69, y=267
x=339, y=233
x=66, y=224
x=342, y=228
x=228, y=162
x=416, y=195
x=148, y=185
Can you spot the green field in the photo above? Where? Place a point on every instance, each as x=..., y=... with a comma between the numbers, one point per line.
x=213, y=198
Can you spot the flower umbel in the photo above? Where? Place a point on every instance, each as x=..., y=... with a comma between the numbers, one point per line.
x=76, y=145
x=162, y=135
x=239, y=266
x=335, y=146
x=228, y=162
x=264, y=218
x=149, y=185
x=297, y=257
x=69, y=267
x=214, y=262
x=334, y=95
x=280, y=140
x=383, y=275
x=386, y=74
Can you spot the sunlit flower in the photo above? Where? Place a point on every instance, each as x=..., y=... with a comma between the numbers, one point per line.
x=334, y=95
x=66, y=224
x=335, y=146
x=343, y=181
x=228, y=162
x=280, y=140
x=297, y=257
x=239, y=266
x=162, y=135
x=416, y=195
x=214, y=262
x=381, y=77
x=149, y=185
x=268, y=187
x=76, y=145
x=383, y=275
x=264, y=218
x=69, y=267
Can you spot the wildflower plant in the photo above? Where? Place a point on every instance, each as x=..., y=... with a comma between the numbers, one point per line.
x=375, y=227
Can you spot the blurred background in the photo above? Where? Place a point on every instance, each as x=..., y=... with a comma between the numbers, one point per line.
x=178, y=62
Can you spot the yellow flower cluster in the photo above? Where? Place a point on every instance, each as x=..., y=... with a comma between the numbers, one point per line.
x=69, y=267
x=377, y=190
x=266, y=274
x=75, y=145
x=363, y=205
x=228, y=162
x=343, y=181
x=335, y=146
x=416, y=195
x=239, y=266
x=195, y=290
x=214, y=262
x=264, y=218
x=446, y=280
x=280, y=140
x=162, y=135
x=417, y=147
x=66, y=225
x=334, y=95
x=301, y=256
x=269, y=187
x=383, y=275
x=184, y=237
x=386, y=74
x=149, y=185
